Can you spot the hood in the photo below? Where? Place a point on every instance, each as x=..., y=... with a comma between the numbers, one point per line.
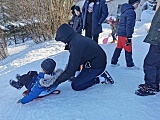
x=65, y=33
x=49, y=80
x=125, y=7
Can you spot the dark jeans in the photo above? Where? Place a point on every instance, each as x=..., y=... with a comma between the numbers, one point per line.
x=152, y=66
x=86, y=79
x=88, y=33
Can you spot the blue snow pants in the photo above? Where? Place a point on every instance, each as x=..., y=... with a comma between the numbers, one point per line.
x=86, y=78
x=152, y=66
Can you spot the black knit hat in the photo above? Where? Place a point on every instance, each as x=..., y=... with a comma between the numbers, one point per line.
x=77, y=8
x=48, y=65
x=133, y=1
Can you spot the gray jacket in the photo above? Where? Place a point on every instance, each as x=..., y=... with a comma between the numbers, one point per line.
x=153, y=36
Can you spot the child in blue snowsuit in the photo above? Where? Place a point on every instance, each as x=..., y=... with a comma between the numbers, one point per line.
x=37, y=84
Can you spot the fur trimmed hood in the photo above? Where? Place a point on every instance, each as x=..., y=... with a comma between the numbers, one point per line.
x=48, y=80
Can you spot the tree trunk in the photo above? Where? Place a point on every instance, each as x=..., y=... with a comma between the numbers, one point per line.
x=3, y=47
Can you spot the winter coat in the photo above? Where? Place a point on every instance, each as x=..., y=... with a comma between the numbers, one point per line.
x=153, y=36
x=40, y=87
x=99, y=14
x=77, y=23
x=82, y=50
x=127, y=21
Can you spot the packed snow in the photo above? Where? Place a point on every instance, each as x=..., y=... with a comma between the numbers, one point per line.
x=100, y=102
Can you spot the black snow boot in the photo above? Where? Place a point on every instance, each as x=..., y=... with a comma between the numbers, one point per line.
x=145, y=90
x=107, y=77
x=15, y=84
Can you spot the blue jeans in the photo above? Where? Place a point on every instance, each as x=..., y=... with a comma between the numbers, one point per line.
x=86, y=78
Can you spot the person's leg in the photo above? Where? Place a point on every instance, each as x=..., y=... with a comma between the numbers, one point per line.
x=151, y=73
x=88, y=32
x=129, y=60
x=86, y=79
x=117, y=51
x=113, y=37
x=158, y=78
x=115, y=56
x=95, y=38
x=128, y=53
x=152, y=67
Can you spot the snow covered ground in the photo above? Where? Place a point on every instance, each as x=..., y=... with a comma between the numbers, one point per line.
x=100, y=102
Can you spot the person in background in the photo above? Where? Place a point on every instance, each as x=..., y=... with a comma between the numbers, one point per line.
x=76, y=21
x=125, y=31
x=151, y=66
x=37, y=84
x=73, y=15
x=112, y=24
x=94, y=12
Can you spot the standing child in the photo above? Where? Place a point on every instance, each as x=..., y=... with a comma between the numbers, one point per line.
x=125, y=31
x=76, y=21
x=112, y=24
x=37, y=84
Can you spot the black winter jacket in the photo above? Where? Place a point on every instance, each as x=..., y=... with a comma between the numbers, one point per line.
x=77, y=23
x=82, y=50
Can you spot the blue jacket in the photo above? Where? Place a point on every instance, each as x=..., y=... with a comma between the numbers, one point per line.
x=99, y=14
x=127, y=21
x=36, y=90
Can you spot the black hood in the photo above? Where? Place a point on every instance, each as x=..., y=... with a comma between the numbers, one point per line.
x=65, y=33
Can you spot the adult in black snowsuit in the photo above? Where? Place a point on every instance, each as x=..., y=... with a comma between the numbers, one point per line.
x=82, y=51
x=152, y=60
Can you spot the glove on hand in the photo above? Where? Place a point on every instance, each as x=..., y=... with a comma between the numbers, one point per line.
x=55, y=84
x=128, y=42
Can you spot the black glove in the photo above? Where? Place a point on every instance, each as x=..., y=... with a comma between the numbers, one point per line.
x=54, y=84
x=128, y=42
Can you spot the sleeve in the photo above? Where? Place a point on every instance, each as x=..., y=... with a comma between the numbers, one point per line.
x=130, y=23
x=104, y=12
x=73, y=64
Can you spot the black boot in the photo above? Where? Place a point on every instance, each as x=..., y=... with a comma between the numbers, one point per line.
x=107, y=77
x=15, y=84
x=145, y=90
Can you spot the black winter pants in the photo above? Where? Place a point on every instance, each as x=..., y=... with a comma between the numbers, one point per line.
x=88, y=33
x=152, y=66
